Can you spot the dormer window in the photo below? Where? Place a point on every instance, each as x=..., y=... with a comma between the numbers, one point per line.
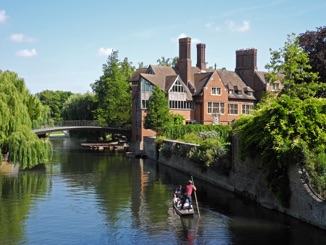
x=150, y=71
x=239, y=92
x=249, y=93
x=275, y=87
x=216, y=91
x=230, y=91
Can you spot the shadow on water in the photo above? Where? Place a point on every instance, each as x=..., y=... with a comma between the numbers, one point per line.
x=239, y=220
x=108, y=198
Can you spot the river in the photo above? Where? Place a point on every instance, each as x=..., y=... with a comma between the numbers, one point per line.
x=86, y=197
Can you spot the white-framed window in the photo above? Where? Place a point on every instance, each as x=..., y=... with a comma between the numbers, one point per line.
x=215, y=107
x=177, y=87
x=275, y=87
x=144, y=104
x=246, y=108
x=233, y=109
x=216, y=91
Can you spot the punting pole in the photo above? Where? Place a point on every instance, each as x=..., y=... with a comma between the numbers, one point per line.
x=196, y=198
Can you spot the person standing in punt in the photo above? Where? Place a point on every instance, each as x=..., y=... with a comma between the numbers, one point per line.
x=187, y=194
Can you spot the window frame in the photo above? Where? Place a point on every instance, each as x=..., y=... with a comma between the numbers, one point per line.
x=215, y=107
x=217, y=92
x=233, y=109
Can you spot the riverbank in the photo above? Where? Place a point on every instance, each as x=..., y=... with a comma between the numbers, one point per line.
x=248, y=179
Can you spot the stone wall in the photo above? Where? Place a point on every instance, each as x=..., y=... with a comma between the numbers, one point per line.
x=248, y=179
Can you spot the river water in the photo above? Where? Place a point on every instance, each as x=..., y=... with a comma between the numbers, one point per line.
x=88, y=197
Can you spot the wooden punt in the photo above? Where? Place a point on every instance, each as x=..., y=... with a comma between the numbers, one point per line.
x=185, y=210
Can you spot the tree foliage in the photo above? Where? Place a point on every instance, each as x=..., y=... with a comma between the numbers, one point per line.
x=290, y=65
x=158, y=112
x=79, y=107
x=54, y=100
x=314, y=44
x=19, y=111
x=113, y=93
x=288, y=129
x=167, y=61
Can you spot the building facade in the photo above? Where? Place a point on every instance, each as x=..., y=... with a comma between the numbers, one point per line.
x=199, y=94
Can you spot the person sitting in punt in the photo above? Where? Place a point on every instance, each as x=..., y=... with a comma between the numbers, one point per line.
x=178, y=195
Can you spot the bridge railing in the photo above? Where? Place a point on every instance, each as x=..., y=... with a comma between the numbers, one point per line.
x=72, y=123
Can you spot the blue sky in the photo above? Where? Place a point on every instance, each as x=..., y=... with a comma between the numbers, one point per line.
x=62, y=45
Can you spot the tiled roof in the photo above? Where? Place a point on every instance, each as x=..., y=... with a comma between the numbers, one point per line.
x=165, y=76
x=201, y=80
x=169, y=80
x=159, y=76
x=135, y=75
x=262, y=76
x=233, y=82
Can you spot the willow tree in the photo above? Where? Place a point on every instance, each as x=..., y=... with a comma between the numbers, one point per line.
x=19, y=111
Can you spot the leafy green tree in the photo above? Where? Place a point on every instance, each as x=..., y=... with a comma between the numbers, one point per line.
x=314, y=44
x=54, y=100
x=290, y=65
x=113, y=93
x=79, y=107
x=167, y=62
x=158, y=113
x=288, y=129
x=19, y=111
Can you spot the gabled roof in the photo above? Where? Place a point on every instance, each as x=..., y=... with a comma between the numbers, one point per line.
x=262, y=76
x=232, y=81
x=201, y=79
x=159, y=76
x=169, y=80
x=135, y=75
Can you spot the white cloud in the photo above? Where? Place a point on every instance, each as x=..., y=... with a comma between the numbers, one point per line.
x=19, y=37
x=245, y=26
x=26, y=53
x=183, y=35
x=104, y=51
x=3, y=16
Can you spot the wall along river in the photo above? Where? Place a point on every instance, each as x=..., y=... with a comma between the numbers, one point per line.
x=86, y=197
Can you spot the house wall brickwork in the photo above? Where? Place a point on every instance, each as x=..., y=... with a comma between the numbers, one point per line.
x=198, y=82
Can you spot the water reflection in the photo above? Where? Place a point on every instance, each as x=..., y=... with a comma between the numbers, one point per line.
x=105, y=198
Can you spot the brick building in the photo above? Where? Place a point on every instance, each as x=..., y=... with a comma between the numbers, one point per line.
x=201, y=95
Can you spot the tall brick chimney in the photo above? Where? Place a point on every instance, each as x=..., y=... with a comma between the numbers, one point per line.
x=184, y=63
x=246, y=59
x=201, y=64
x=246, y=66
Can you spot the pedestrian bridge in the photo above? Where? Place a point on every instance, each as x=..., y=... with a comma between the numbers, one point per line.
x=77, y=125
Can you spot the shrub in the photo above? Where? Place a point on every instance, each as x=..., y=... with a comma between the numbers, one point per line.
x=166, y=150
x=193, y=138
